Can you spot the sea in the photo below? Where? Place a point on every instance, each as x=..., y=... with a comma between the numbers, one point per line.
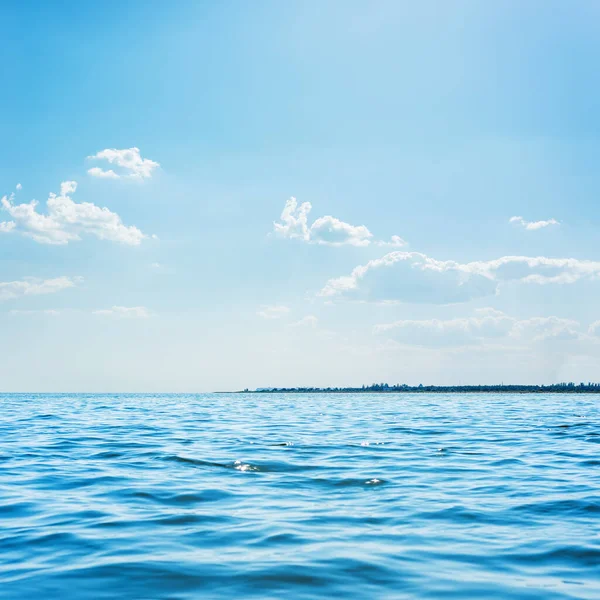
x=299, y=496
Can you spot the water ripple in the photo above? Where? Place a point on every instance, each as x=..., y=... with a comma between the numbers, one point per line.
x=299, y=496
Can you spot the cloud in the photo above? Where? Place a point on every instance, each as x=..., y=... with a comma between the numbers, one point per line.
x=333, y=232
x=310, y=321
x=67, y=221
x=485, y=326
x=594, y=329
x=546, y=328
x=124, y=312
x=326, y=230
x=19, y=187
x=533, y=225
x=129, y=160
x=35, y=287
x=273, y=312
x=415, y=277
x=6, y=226
x=395, y=242
x=98, y=172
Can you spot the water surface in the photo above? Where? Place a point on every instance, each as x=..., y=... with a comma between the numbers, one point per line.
x=299, y=496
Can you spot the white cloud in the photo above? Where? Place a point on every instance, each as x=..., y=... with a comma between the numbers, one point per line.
x=294, y=220
x=546, y=328
x=492, y=325
x=6, y=226
x=124, y=312
x=395, y=242
x=326, y=230
x=67, y=221
x=333, y=232
x=129, y=160
x=273, y=312
x=35, y=287
x=102, y=174
x=533, y=225
x=19, y=187
x=310, y=321
x=416, y=277
x=594, y=329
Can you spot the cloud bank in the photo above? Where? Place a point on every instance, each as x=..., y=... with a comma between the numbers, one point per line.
x=485, y=326
x=415, y=277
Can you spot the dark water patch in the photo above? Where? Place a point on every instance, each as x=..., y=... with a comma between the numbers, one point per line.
x=18, y=510
x=571, y=507
x=507, y=462
x=108, y=455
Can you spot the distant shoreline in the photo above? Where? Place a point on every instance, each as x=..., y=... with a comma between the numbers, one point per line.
x=562, y=388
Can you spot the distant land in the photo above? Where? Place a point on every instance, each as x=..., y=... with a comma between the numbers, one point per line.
x=383, y=388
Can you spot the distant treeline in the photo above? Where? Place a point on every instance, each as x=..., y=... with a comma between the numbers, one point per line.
x=556, y=388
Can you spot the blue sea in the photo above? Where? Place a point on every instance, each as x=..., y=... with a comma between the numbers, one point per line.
x=299, y=496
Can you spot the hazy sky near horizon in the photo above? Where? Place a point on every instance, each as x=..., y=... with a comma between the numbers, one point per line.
x=205, y=196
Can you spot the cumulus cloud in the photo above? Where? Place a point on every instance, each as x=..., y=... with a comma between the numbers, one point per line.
x=66, y=220
x=533, y=225
x=35, y=287
x=19, y=187
x=416, y=277
x=273, y=312
x=125, y=312
x=129, y=161
x=485, y=326
x=326, y=230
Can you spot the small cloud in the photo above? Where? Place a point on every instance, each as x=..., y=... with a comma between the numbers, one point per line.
x=6, y=226
x=100, y=173
x=594, y=329
x=488, y=311
x=19, y=187
x=10, y=290
x=328, y=230
x=125, y=312
x=395, y=242
x=532, y=225
x=273, y=312
x=156, y=266
x=130, y=162
x=310, y=321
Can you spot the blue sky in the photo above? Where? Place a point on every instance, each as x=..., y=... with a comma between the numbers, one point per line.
x=436, y=122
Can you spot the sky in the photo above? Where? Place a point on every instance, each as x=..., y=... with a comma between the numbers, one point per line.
x=201, y=196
